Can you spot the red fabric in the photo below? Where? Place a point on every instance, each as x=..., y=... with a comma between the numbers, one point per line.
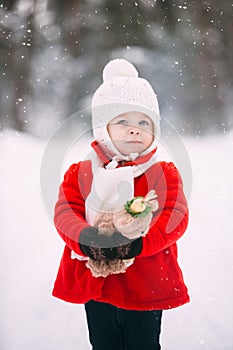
x=101, y=154
x=155, y=280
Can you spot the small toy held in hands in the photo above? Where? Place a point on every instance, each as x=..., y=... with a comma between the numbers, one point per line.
x=141, y=206
x=133, y=221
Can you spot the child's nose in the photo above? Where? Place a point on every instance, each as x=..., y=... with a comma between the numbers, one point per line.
x=134, y=131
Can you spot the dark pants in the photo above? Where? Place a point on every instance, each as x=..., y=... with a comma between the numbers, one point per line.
x=112, y=328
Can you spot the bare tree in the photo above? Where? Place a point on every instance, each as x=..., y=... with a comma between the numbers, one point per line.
x=16, y=51
x=64, y=44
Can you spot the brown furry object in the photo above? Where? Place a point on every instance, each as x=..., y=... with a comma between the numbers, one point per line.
x=103, y=268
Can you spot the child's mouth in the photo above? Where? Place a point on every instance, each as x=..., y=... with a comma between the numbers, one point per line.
x=134, y=142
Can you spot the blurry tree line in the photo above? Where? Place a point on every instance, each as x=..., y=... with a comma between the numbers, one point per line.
x=52, y=53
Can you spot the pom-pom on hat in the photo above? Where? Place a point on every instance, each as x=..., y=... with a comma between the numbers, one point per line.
x=122, y=91
x=119, y=68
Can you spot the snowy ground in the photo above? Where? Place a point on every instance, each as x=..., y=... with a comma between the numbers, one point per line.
x=31, y=249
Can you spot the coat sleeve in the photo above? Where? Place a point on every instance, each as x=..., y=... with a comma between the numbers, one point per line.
x=170, y=221
x=69, y=217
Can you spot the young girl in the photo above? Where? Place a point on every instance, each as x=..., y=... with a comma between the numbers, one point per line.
x=123, y=267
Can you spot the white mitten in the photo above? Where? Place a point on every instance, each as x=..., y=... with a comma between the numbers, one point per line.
x=104, y=223
x=131, y=227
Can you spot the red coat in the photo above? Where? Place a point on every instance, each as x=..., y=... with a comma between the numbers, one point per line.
x=155, y=280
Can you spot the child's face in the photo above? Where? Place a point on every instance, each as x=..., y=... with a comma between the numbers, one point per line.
x=131, y=132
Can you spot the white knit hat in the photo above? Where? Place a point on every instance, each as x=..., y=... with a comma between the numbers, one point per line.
x=122, y=91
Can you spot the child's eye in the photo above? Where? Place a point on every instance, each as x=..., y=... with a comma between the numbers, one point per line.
x=122, y=122
x=143, y=122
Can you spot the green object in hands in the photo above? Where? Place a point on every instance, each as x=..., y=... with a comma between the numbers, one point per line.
x=139, y=206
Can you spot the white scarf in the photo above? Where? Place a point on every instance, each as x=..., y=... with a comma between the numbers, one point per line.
x=112, y=187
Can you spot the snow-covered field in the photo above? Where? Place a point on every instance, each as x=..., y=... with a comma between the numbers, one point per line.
x=30, y=252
